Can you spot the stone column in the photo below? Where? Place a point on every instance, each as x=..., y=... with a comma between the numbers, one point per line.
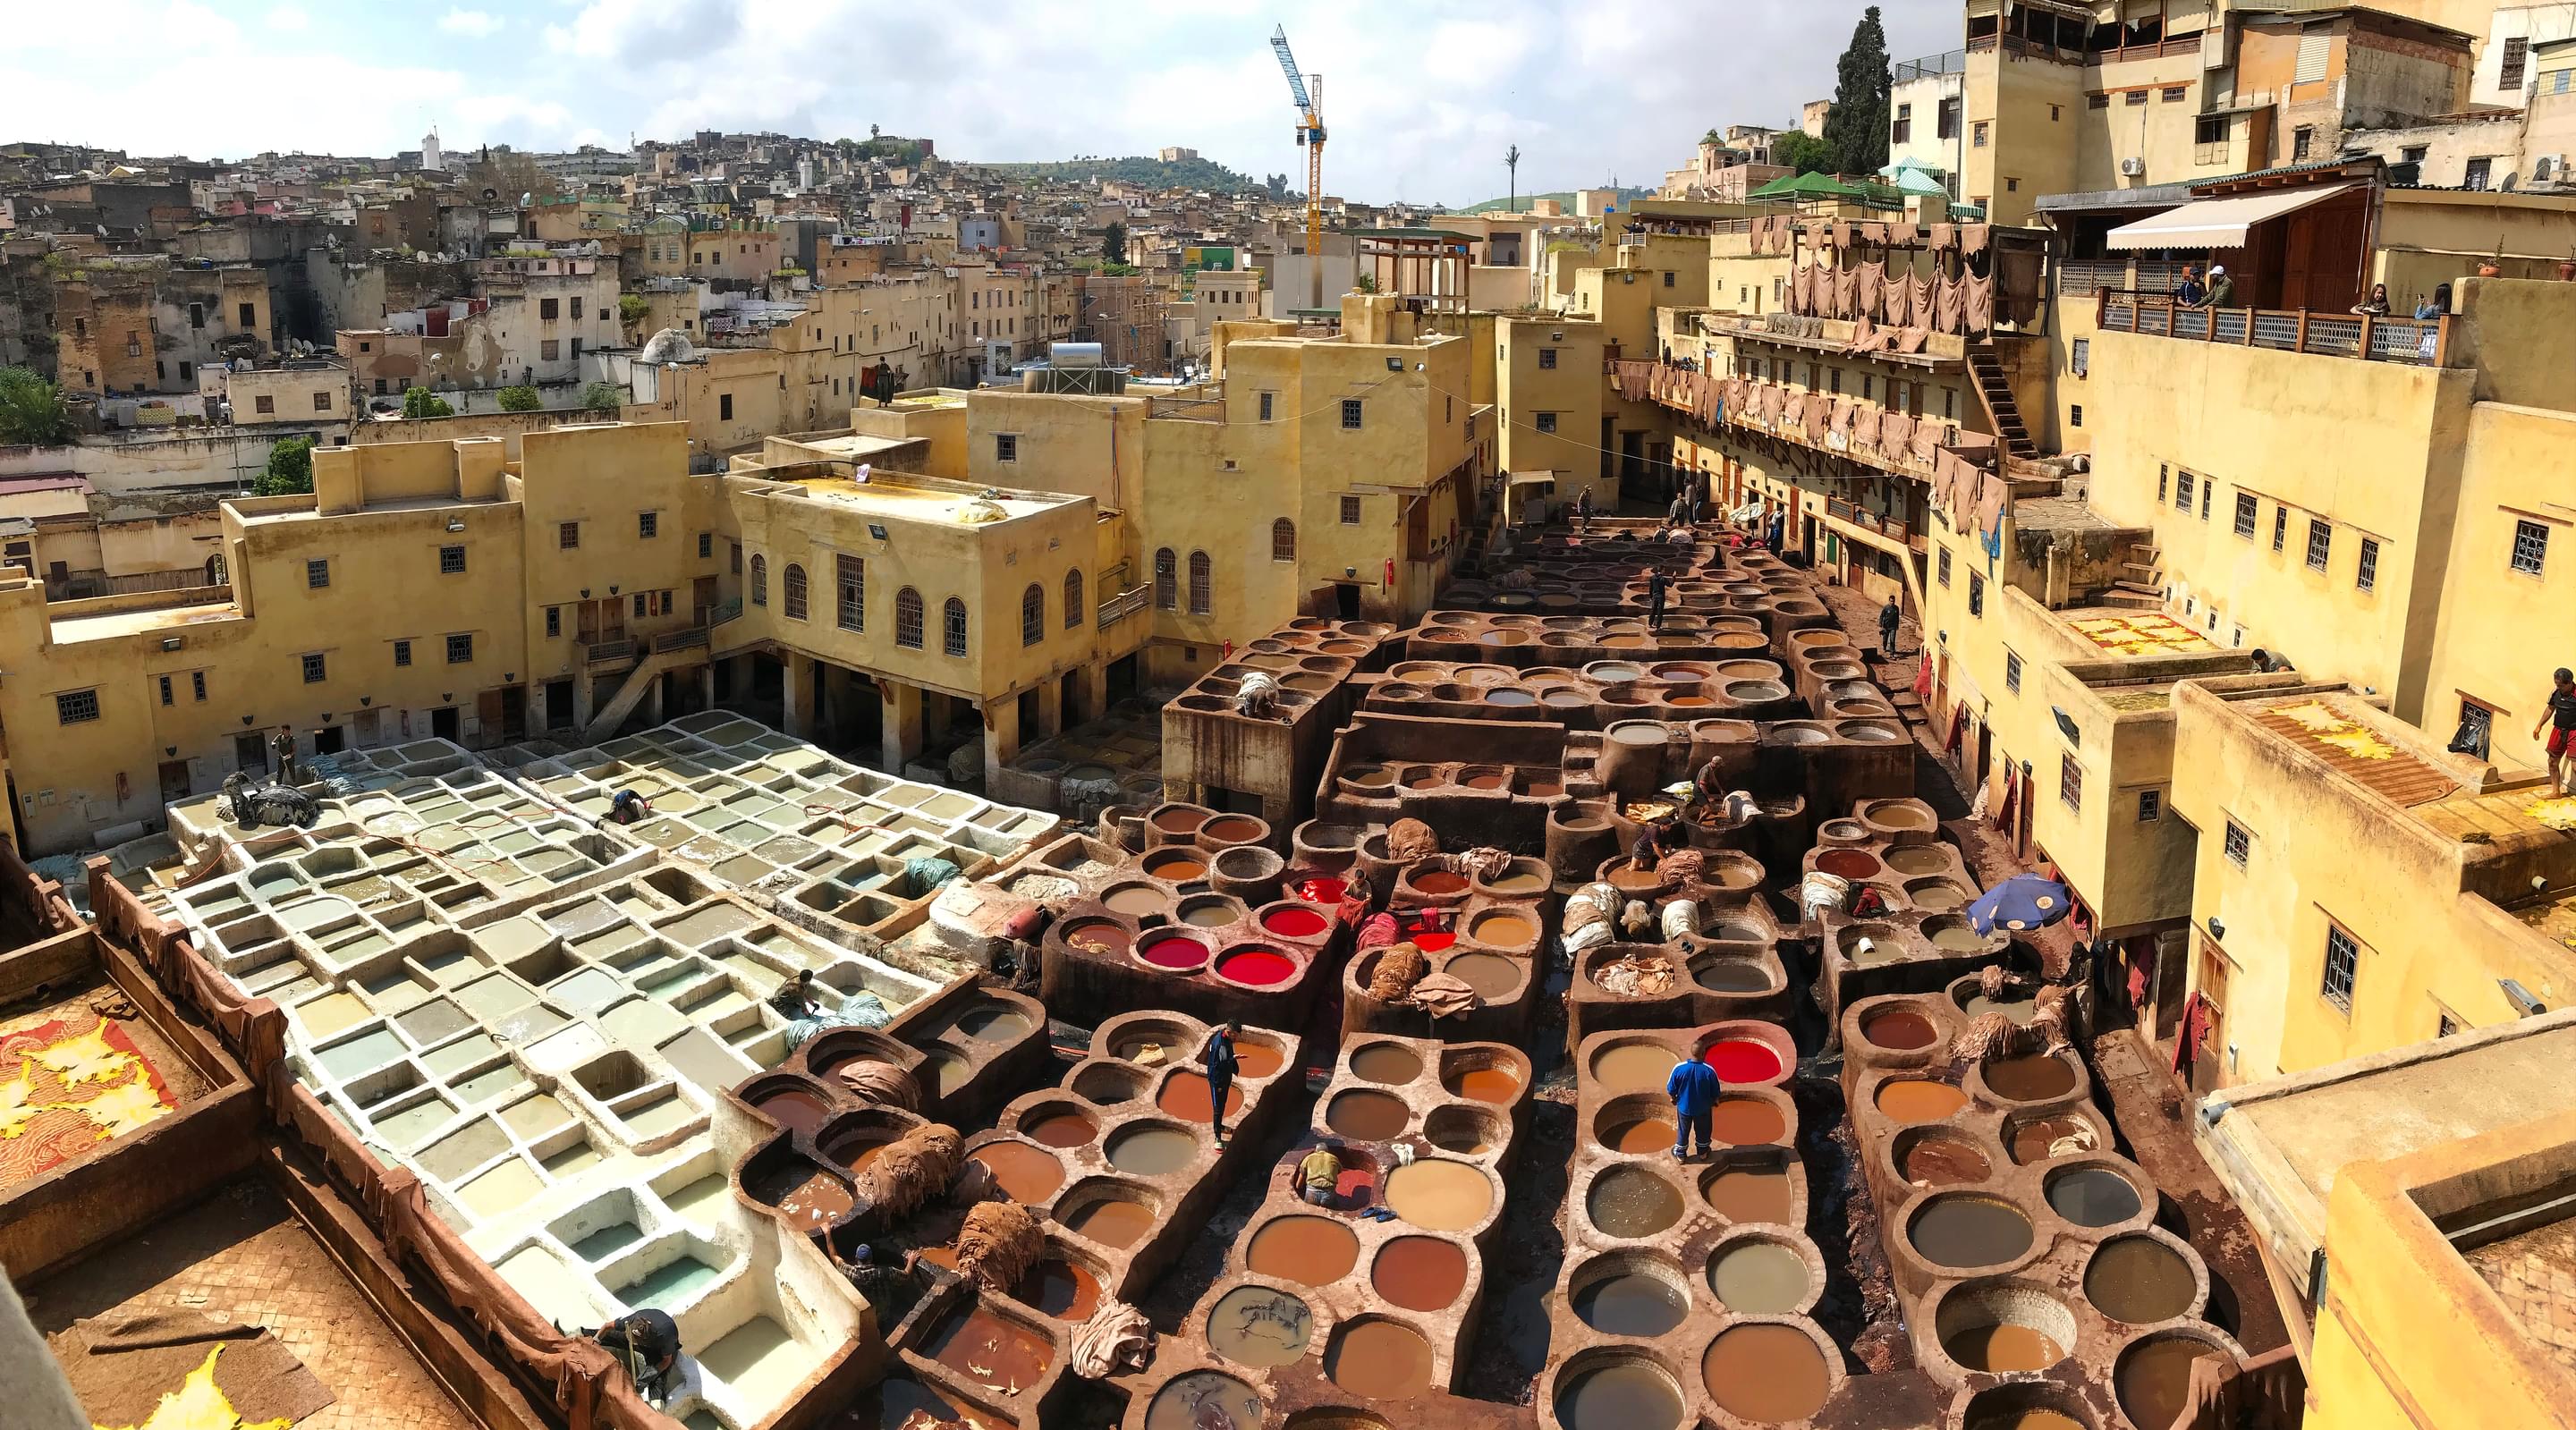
x=1050, y=711
x=796, y=688
x=902, y=720
x=1001, y=737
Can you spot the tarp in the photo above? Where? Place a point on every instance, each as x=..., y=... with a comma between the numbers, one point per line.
x=2215, y=223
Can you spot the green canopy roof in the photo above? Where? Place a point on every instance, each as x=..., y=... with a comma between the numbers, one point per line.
x=1798, y=187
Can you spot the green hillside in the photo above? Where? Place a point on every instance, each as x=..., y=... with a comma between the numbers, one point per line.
x=1136, y=169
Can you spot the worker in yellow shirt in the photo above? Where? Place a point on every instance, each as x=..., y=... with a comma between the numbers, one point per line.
x=1319, y=1174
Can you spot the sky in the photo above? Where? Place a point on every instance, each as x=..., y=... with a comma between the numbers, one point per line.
x=1420, y=97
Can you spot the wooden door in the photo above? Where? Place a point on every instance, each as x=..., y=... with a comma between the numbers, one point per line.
x=702, y=601
x=487, y=711
x=612, y=619
x=586, y=622
x=2212, y=987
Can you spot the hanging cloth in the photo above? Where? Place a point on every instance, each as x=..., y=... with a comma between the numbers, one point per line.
x=1926, y=441
x=1911, y=339
x=2017, y=285
x=1874, y=233
x=1942, y=239
x=1918, y=313
x=1873, y=290
x=1972, y=239
x=1847, y=293
x=1838, y=433
x=1895, y=432
x=1991, y=493
x=1980, y=305
x=1819, y=414
x=1952, y=314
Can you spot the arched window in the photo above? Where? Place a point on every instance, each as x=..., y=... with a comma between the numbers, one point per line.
x=760, y=580
x=1200, y=580
x=907, y=618
x=952, y=625
x=1072, y=599
x=1283, y=540
x=1032, y=615
x=794, y=581
x=1167, y=585
x=215, y=570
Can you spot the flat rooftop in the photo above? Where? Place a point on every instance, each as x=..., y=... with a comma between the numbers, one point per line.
x=112, y=624
x=2356, y=741
x=896, y=498
x=2121, y=632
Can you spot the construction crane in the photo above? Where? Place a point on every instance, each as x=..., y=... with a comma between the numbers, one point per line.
x=1308, y=91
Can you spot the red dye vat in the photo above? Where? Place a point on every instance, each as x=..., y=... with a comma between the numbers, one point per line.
x=1742, y=1060
x=1293, y=923
x=1259, y=967
x=1174, y=953
x=1430, y=942
x=1322, y=891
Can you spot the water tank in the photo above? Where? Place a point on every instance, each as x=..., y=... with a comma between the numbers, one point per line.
x=1073, y=354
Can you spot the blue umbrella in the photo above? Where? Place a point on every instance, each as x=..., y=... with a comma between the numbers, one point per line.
x=2020, y=904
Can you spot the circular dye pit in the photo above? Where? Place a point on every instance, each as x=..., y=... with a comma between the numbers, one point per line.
x=944, y=1072
x=1386, y=1063
x=1899, y=814
x=794, y=1109
x=1230, y=829
x=1202, y=1398
x=1626, y=1394
x=1308, y=1250
x=1107, y=1083
x=1746, y=1122
x=2092, y=1196
x=1960, y=1230
x=1098, y=936
x=1631, y=1303
x=1632, y=1067
x=1912, y=859
x=1253, y=1059
x=1440, y=1195
x=1738, y=1061
x=806, y=1196
x=1294, y=923
x=1366, y=1116
x=1765, y=1373
x=1027, y=1175
x=1900, y=1030
x=1958, y=938
x=1176, y=868
x=1941, y=1160
x=1938, y=895
x=1503, y=930
x=1063, y=1289
x=1321, y=891
x=1650, y=1133
x=2037, y=1077
x=1064, y=1129
x=1758, y=1278
x=1631, y=1201
x=1134, y=900
x=1492, y=1083
x=1503, y=695
x=1115, y=1222
x=1519, y=880
x=1260, y=1327
x=1150, y=1150
x=1419, y=1273
x=1493, y=976
x=2002, y=1349
x=1750, y=1194
x=1380, y=1360
x=2153, y=1378
x=1185, y=1096
x=1211, y=913
x=2036, y=1139
x=1180, y=821
x=1847, y=863
x=1731, y=975
x=2020, y=1417
x=1440, y=882
x=2139, y=1280
x=1255, y=967
x=1913, y=1100
x=994, y=1023
x=1173, y=952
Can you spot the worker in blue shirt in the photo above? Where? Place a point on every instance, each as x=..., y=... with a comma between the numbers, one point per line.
x=1693, y=1087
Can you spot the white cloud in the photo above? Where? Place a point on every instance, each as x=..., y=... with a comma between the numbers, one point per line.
x=474, y=24
x=290, y=19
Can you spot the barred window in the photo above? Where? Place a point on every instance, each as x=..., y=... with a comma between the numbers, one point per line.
x=1202, y=579
x=907, y=618
x=2320, y=544
x=317, y=574
x=2245, y=505
x=2070, y=780
x=2182, y=490
x=952, y=626
x=2343, y=964
x=1945, y=566
x=1072, y=599
x=760, y=580
x=451, y=561
x=2368, y=576
x=460, y=650
x=2239, y=844
x=1032, y=615
x=316, y=670
x=1976, y=594
x=1167, y=580
x=2012, y=672
x=73, y=707
x=1283, y=540
x=2530, y=547
x=794, y=582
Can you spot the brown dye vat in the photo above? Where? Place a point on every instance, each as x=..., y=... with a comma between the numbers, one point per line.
x=1631, y=1201
x=2139, y=1280
x=1758, y=1278
x=1521, y=881
x=1027, y=1175
x=1961, y=1231
x=2036, y=1417
x=1765, y=1373
x=1207, y=916
x=1633, y=1067
x=1367, y=1116
x=2002, y=1349
x=1419, y=1273
x=1150, y=1151
x=1748, y=1194
x=1431, y=781
x=2030, y=1140
x=1308, y=1250
x=1943, y=1162
x=1440, y=881
x=1063, y=1289
x=1900, y=1030
x=1686, y=700
x=1503, y=930
x=1179, y=821
x=1134, y=901
x=1491, y=1084
x=1439, y=1195
x=1642, y=1134
x=1101, y=935
x=1257, y=1059
x=2092, y=1196
x=1896, y=815
x=806, y=1195
x=1386, y=1063
x=1490, y=974
x=1114, y=1222
x=1504, y=695
x=990, y=1351
x=1846, y=863
x=2036, y=1077
x=1939, y=895
x=1065, y=1129
x=1261, y=1327
x=1730, y=975
x=1185, y=1096
x=1958, y=938
x=794, y=1109
x=1621, y=1395
x=1912, y=1100
x=1630, y=1304
x=1631, y=879
x=1230, y=829
x=1746, y=1122
x=1919, y=859
x=1175, y=868
x=2154, y=1378
x=1380, y=1360
x=1370, y=777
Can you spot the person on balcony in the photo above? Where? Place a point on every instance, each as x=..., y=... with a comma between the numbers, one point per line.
x=2376, y=306
x=2188, y=292
x=2558, y=713
x=2434, y=307
x=2222, y=289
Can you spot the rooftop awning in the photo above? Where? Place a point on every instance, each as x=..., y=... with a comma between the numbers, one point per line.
x=2216, y=223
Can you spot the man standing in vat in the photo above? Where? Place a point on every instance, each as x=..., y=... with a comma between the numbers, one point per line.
x=1693, y=1087
x=1655, y=599
x=1319, y=1175
x=1889, y=618
x=1218, y=1058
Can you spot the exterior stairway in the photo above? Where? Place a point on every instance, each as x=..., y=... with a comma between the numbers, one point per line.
x=669, y=652
x=1996, y=392
x=2143, y=589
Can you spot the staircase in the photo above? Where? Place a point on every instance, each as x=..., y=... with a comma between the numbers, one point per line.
x=2143, y=588
x=1996, y=391
x=670, y=652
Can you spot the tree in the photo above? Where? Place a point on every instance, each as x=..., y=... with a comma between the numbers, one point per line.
x=1277, y=184
x=631, y=308
x=289, y=472
x=1365, y=283
x=1856, y=126
x=1113, y=242
x=602, y=397
x=421, y=402
x=32, y=412
x=520, y=399
x=1802, y=153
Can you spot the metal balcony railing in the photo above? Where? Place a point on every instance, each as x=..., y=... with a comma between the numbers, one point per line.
x=2418, y=342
